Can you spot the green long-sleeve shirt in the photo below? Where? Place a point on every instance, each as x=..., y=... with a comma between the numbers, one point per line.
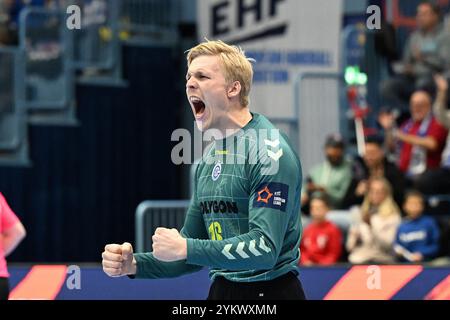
x=243, y=221
x=335, y=179
x=434, y=48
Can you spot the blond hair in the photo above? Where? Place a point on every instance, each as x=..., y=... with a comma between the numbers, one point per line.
x=388, y=207
x=236, y=66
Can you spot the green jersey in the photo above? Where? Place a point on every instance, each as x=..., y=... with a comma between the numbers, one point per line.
x=243, y=221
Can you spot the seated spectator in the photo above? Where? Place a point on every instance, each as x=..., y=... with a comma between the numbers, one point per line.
x=437, y=181
x=9, y=18
x=374, y=164
x=417, y=237
x=322, y=240
x=6, y=34
x=372, y=234
x=427, y=51
x=332, y=177
x=419, y=142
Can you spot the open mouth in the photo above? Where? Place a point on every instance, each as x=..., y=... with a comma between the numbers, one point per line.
x=199, y=106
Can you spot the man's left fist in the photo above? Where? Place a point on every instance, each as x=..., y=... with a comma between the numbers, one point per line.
x=169, y=245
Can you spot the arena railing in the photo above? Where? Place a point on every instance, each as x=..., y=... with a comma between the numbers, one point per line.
x=157, y=213
x=47, y=75
x=96, y=44
x=150, y=20
x=13, y=120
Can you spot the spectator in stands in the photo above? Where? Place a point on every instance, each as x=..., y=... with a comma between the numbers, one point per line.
x=419, y=142
x=372, y=233
x=11, y=234
x=332, y=177
x=6, y=35
x=417, y=237
x=322, y=239
x=374, y=164
x=9, y=18
x=437, y=181
x=427, y=51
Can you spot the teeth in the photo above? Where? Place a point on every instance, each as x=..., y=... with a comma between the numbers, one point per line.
x=195, y=100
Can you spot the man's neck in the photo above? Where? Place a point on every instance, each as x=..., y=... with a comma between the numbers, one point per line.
x=377, y=170
x=415, y=218
x=335, y=165
x=236, y=119
x=319, y=222
x=430, y=30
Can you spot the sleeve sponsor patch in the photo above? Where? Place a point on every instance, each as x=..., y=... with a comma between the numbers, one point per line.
x=271, y=195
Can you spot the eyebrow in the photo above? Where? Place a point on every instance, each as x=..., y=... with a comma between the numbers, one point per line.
x=199, y=71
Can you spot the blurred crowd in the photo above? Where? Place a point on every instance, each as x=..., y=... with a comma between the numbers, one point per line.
x=375, y=208
x=10, y=12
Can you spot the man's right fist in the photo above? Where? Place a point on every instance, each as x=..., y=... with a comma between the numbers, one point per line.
x=118, y=260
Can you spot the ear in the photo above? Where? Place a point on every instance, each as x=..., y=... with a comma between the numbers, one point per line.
x=234, y=90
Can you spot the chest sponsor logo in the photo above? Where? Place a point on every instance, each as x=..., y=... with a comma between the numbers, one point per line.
x=322, y=241
x=219, y=207
x=419, y=235
x=272, y=195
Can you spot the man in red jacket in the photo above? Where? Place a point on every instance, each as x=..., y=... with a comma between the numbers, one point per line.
x=322, y=240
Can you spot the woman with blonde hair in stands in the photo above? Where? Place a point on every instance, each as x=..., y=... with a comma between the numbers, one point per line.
x=374, y=226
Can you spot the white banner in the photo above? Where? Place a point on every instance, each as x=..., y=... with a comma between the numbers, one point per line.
x=285, y=37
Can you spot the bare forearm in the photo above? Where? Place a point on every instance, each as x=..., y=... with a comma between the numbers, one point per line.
x=442, y=115
x=389, y=140
x=10, y=243
x=426, y=142
x=351, y=240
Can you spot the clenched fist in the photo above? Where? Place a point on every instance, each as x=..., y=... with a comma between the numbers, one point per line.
x=169, y=245
x=118, y=260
